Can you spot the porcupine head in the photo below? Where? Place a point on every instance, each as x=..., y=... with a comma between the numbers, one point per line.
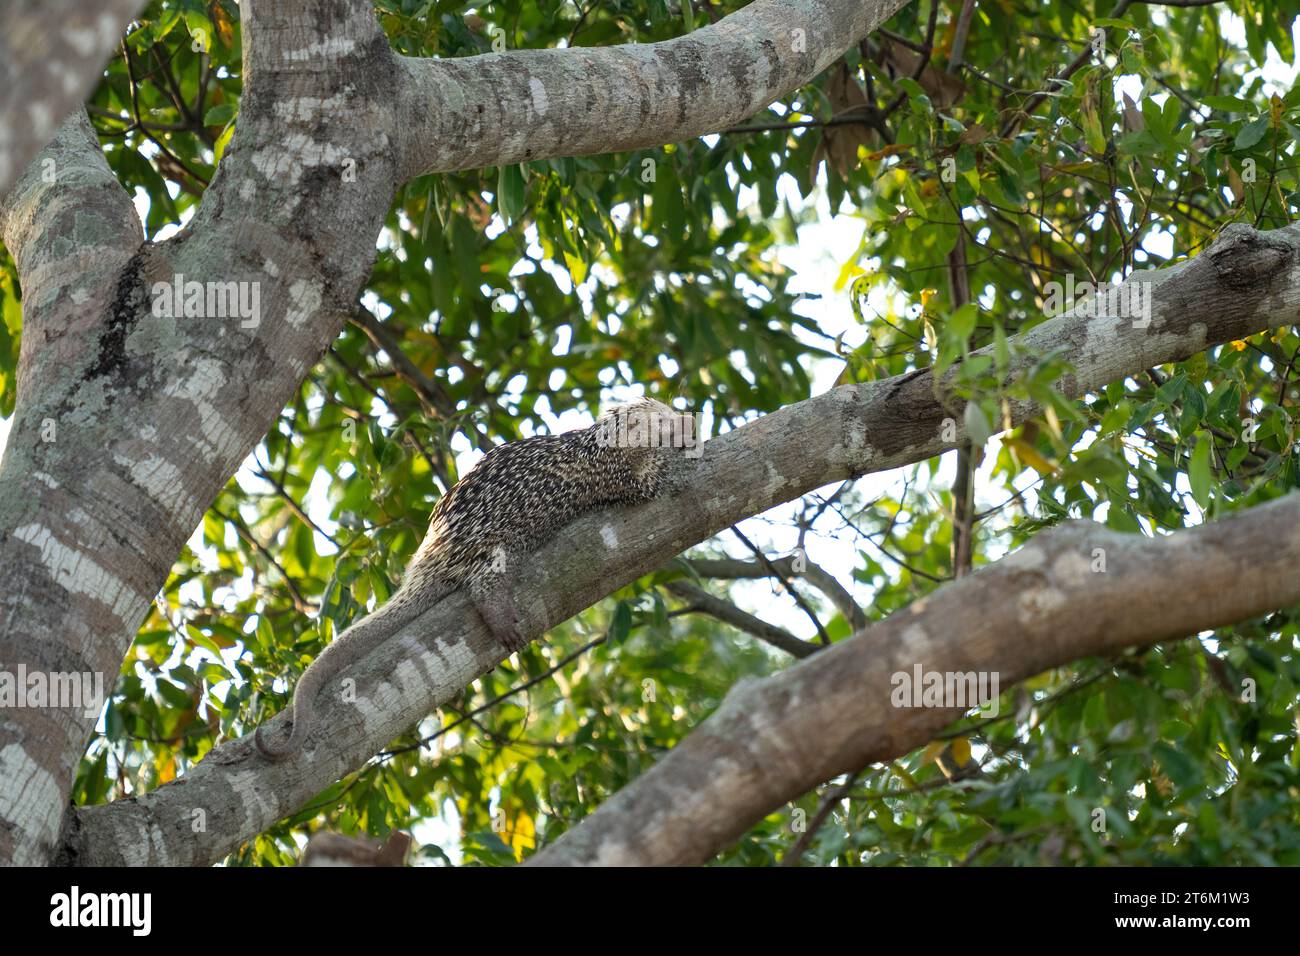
x=642, y=435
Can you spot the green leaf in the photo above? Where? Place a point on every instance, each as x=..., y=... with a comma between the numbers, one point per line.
x=688, y=14
x=510, y=193
x=1199, y=474
x=977, y=424
x=620, y=624
x=219, y=115
x=200, y=28
x=1251, y=133
x=961, y=322
x=1178, y=766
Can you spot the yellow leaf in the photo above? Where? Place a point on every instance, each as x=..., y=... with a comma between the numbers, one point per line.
x=1235, y=183
x=893, y=149
x=1275, y=107
x=961, y=751
x=223, y=140
x=1053, y=423
x=520, y=833
x=1164, y=786
x=927, y=295
x=1030, y=456
x=1238, y=345
x=221, y=20
x=932, y=751
x=850, y=270
x=901, y=772
x=577, y=268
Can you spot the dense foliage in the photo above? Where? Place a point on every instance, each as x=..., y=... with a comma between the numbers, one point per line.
x=523, y=294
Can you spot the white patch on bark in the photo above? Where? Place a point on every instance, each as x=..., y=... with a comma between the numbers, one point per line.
x=141, y=843
x=1028, y=558
x=29, y=798
x=306, y=297
x=158, y=849
x=540, y=101
x=1073, y=568
x=41, y=117
x=250, y=788
x=159, y=479
x=855, y=452
x=613, y=854
x=322, y=49
x=1035, y=605
x=285, y=163
x=49, y=481
x=775, y=481
x=420, y=670
x=609, y=536
x=83, y=40
x=78, y=574
x=201, y=387
x=914, y=642
x=307, y=108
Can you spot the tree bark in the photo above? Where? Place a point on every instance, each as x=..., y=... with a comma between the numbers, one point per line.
x=52, y=54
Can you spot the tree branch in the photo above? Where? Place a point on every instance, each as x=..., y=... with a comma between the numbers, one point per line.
x=52, y=54
x=815, y=575
x=701, y=600
x=501, y=108
x=1046, y=605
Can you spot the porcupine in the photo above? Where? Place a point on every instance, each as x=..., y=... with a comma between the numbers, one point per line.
x=510, y=504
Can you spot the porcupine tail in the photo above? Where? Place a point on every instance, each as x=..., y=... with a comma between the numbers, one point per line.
x=349, y=647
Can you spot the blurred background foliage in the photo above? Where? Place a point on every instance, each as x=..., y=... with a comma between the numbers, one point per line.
x=505, y=300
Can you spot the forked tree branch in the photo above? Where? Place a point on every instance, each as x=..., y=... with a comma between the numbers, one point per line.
x=523, y=105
